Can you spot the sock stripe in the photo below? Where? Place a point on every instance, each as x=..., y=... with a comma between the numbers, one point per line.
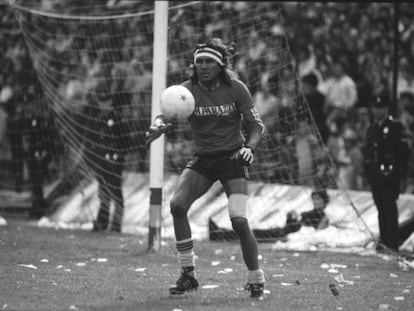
x=185, y=246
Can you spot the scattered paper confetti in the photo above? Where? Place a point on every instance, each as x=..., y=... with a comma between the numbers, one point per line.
x=260, y=257
x=209, y=286
x=140, y=269
x=333, y=270
x=340, y=279
x=278, y=275
x=28, y=266
x=325, y=266
x=215, y=263
x=406, y=291
x=286, y=284
x=383, y=307
x=81, y=264
x=336, y=266
x=399, y=298
x=44, y=260
x=218, y=251
x=59, y=267
x=73, y=307
x=102, y=260
x=296, y=255
x=266, y=291
x=392, y=275
x=67, y=270
x=233, y=257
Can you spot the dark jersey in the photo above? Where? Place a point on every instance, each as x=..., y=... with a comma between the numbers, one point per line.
x=218, y=115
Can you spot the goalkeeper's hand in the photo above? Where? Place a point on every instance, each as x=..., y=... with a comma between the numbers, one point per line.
x=245, y=156
x=160, y=126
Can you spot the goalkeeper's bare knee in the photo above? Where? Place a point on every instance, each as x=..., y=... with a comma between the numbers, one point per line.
x=178, y=209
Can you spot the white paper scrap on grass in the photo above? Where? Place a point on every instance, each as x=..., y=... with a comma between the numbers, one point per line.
x=3, y=222
x=81, y=264
x=215, y=263
x=286, y=284
x=44, y=260
x=399, y=298
x=341, y=280
x=102, y=259
x=27, y=266
x=140, y=269
x=209, y=286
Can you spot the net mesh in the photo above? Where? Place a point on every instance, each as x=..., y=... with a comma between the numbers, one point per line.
x=93, y=63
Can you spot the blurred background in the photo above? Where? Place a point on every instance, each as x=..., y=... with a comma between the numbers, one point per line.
x=326, y=41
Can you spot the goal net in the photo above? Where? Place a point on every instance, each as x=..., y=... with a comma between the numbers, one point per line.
x=93, y=61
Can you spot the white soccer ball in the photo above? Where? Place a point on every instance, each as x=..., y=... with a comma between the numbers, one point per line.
x=177, y=103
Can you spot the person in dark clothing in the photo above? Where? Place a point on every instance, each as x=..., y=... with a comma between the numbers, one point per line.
x=38, y=157
x=385, y=163
x=14, y=130
x=316, y=102
x=106, y=143
x=315, y=218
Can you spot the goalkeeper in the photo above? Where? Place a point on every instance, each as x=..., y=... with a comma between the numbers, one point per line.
x=221, y=153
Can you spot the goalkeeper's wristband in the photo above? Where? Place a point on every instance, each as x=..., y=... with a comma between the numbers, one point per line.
x=250, y=147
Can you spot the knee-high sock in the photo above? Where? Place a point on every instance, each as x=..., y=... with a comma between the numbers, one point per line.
x=186, y=256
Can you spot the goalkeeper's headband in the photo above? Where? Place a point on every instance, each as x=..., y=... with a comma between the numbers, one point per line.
x=203, y=50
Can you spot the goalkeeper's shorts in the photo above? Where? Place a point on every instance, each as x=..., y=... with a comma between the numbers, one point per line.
x=221, y=166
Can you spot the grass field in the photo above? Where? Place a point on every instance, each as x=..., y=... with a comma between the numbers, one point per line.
x=48, y=269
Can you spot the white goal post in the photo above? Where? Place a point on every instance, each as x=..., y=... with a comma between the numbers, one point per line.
x=157, y=147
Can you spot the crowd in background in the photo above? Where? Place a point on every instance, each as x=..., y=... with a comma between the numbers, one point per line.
x=343, y=53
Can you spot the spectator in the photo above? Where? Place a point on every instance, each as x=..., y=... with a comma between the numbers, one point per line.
x=340, y=90
x=315, y=218
x=304, y=143
x=350, y=161
x=316, y=102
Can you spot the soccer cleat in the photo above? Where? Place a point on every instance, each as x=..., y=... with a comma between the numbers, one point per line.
x=185, y=283
x=256, y=290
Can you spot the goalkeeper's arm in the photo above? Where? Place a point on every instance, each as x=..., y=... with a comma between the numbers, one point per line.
x=160, y=126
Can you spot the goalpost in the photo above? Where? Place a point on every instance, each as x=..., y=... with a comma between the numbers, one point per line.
x=120, y=51
x=157, y=147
